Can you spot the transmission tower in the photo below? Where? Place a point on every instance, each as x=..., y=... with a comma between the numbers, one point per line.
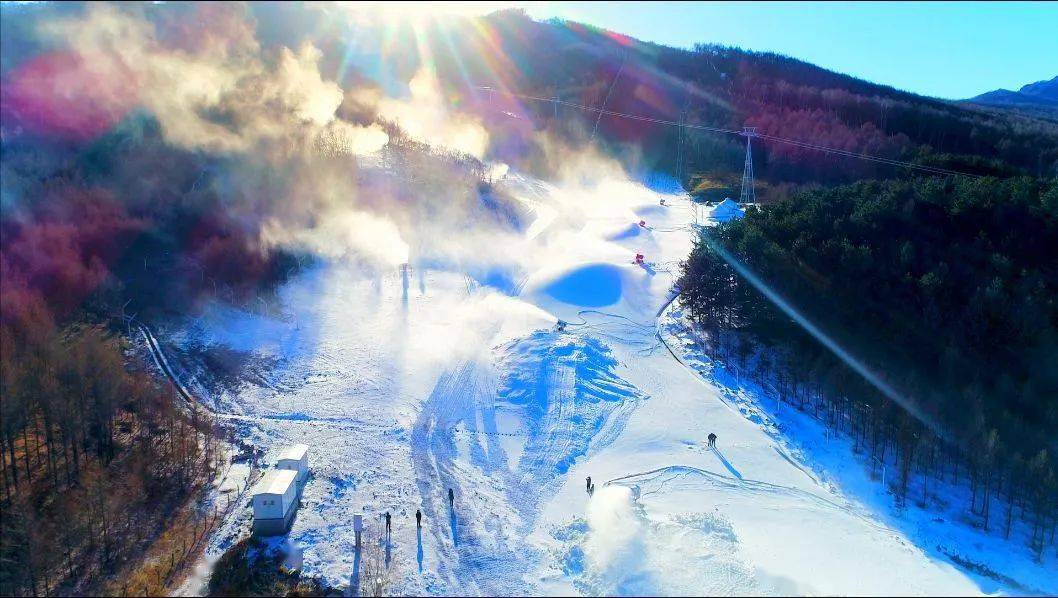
x=748, y=195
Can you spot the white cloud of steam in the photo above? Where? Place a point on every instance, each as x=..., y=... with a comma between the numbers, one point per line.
x=425, y=117
x=583, y=166
x=301, y=86
x=348, y=234
x=344, y=138
x=219, y=94
x=614, y=546
x=289, y=175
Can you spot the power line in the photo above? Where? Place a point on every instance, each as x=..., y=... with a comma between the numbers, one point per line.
x=880, y=159
x=696, y=127
x=609, y=92
x=603, y=111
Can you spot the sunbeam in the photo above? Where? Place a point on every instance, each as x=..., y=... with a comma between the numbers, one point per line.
x=859, y=367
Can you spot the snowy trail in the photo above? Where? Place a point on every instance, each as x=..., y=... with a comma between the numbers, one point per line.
x=664, y=476
x=444, y=383
x=438, y=465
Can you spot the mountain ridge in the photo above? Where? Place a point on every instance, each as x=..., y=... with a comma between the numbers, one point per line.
x=1039, y=93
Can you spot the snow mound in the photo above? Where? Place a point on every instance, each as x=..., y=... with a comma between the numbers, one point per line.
x=631, y=231
x=649, y=210
x=587, y=285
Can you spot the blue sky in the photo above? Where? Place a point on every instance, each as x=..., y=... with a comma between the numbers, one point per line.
x=948, y=50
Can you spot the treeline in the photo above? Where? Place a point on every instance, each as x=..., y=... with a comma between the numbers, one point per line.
x=943, y=289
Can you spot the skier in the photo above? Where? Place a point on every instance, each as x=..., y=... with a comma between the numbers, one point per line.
x=389, y=527
x=712, y=440
x=587, y=485
x=451, y=498
x=418, y=518
x=591, y=490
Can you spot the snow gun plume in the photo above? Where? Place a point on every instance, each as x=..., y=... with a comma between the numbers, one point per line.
x=299, y=153
x=274, y=143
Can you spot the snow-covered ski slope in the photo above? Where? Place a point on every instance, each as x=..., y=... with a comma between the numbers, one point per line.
x=405, y=385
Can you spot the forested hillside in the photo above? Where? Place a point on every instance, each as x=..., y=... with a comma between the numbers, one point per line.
x=944, y=290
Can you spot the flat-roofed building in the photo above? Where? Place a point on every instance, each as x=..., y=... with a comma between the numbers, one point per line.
x=275, y=501
x=295, y=458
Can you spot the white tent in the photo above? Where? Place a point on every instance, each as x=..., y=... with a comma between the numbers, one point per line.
x=726, y=210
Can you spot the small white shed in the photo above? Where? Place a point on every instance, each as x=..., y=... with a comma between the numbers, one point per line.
x=275, y=501
x=295, y=458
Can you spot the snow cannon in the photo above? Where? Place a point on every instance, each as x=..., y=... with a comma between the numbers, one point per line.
x=643, y=223
x=662, y=201
x=639, y=258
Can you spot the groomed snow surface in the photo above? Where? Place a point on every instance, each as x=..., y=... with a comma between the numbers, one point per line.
x=406, y=386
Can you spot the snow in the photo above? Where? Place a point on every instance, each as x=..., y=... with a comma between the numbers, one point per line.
x=628, y=231
x=407, y=386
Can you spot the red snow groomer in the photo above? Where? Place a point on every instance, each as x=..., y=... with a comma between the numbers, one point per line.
x=639, y=258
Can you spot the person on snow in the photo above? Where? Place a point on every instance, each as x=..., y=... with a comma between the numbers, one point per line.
x=591, y=490
x=587, y=485
x=712, y=440
x=389, y=526
x=451, y=498
x=418, y=518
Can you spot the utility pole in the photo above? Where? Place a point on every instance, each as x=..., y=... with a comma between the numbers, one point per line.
x=748, y=195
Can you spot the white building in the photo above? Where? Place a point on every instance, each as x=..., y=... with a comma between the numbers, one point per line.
x=295, y=458
x=726, y=210
x=274, y=502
